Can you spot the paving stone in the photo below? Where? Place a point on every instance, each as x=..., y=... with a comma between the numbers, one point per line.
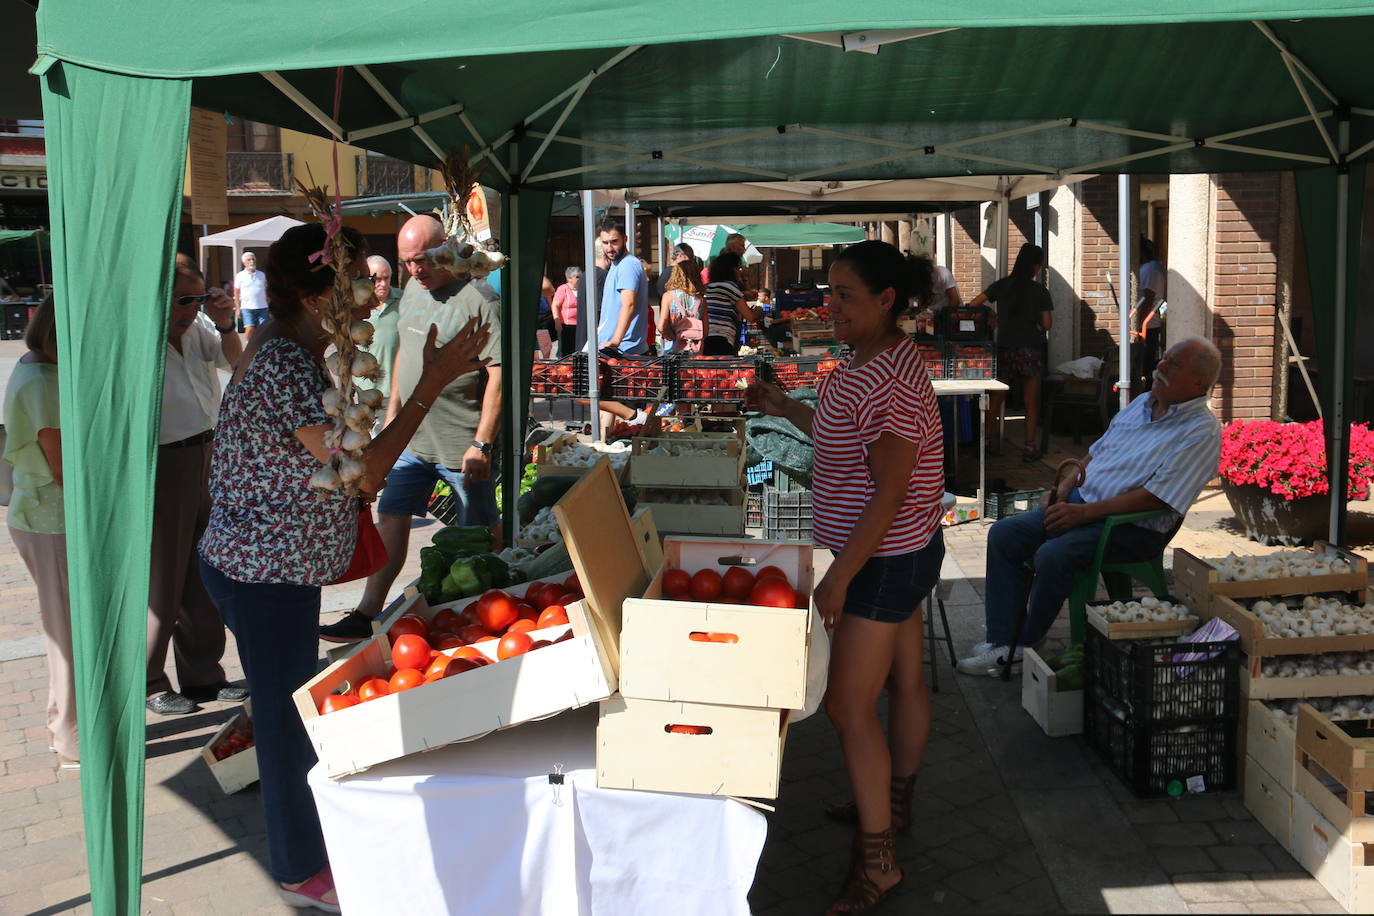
x=1150, y=812
x=1275, y=907
x=1282, y=859
x=1241, y=858
x=1293, y=886
x=1196, y=834
x=1183, y=860
x=1200, y=809
x=1217, y=908
x=1324, y=905
x=1242, y=833
x=1217, y=888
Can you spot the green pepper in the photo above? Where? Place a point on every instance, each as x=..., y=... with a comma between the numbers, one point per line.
x=461, y=539
x=468, y=577
x=495, y=568
x=449, y=589
x=433, y=561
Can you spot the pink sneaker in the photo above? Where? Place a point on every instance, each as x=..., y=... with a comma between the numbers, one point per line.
x=311, y=893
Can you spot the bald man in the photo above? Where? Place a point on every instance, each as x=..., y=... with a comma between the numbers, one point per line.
x=456, y=440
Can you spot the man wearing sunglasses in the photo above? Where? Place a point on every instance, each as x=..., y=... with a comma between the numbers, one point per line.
x=180, y=613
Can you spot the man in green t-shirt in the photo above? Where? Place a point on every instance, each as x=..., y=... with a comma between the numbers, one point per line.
x=384, y=319
x=456, y=440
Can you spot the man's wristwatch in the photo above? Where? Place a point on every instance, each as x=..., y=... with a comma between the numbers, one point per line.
x=483, y=447
x=229, y=330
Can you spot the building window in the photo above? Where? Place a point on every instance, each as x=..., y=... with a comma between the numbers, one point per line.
x=252, y=137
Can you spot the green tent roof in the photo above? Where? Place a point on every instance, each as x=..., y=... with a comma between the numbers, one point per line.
x=796, y=235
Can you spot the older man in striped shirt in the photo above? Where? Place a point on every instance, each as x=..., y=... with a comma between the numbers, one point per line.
x=1156, y=454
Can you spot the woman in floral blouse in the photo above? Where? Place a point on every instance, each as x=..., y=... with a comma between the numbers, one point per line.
x=273, y=540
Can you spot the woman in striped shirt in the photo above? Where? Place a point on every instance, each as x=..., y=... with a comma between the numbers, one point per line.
x=877, y=484
x=726, y=307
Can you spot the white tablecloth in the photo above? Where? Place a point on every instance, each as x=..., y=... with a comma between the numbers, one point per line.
x=479, y=829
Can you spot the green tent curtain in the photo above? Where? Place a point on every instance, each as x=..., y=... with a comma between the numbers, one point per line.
x=791, y=235
x=116, y=156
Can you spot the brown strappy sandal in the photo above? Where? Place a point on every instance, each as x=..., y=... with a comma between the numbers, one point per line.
x=902, y=789
x=876, y=851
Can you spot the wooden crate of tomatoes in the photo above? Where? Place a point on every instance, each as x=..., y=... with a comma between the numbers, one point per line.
x=231, y=753
x=716, y=379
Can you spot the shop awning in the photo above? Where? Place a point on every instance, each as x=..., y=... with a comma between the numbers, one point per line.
x=800, y=235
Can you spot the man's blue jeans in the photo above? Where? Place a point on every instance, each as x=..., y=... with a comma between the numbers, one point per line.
x=1058, y=559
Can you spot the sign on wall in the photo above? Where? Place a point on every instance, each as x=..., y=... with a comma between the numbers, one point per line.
x=208, y=164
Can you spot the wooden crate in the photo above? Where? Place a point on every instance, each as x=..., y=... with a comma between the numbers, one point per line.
x=545, y=460
x=1197, y=581
x=1255, y=686
x=742, y=754
x=1143, y=630
x=1347, y=753
x=682, y=518
x=1344, y=867
x=1270, y=803
x=767, y=667
x=237, y=771
x=1272, y=743
x=536, y=685
x=1257, y=645
x=417, y=604
x=1057, y=712
x=703, y=472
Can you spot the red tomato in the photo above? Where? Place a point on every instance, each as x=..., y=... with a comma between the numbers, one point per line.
x=689, y=730
x=706, y=585
x=523, y=625
x=467, y=617
x=373, y=688
x=552, y=616
x=676, y=583
x=498, y=612
x=449, y=641
x=410, y=652
x=488, y=638
x=737, y=582
x=446, y=621
x=337, y=701
x=406, y=678
x=513, y=644
x=468, y=653
x=527, y=611
x=572, y=584
x=413, y=624
x=473, y=633
x=770, y=572
x=539, y=644
x=439, y=667
x=773, y=593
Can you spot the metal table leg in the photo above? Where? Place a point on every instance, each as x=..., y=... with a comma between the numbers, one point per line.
x=982, y=445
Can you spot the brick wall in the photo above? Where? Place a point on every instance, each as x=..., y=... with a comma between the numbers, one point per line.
x=1244, y=304
x=1098, y=253
x=967, y=263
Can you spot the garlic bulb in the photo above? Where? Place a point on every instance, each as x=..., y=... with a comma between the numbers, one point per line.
x=365, y=365
x=355, y=439
x=370, y=397
x=359, y=417
x=351, y=469
x=333, y=438
x=326, y=478
x=363, y=293
x=334, y=402
x=336, y=363
x=361, y=331
x=328, y=324
x=453, y=255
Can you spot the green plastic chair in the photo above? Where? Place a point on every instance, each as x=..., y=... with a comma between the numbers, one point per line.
x=1116, y=576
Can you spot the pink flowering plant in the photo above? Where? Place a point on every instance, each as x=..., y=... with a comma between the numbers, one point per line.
x=1289, y=459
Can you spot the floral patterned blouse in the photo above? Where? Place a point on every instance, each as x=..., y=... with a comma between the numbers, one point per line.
x=268, y=523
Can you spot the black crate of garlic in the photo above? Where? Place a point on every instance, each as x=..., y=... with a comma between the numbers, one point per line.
x=1163, y=680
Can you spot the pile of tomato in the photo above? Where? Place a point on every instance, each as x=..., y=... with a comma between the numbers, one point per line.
x=233, y=741
x=802, y=371
x=554, y=378
x=425, y=651
x=769, y=587
x=972, y=361
x=635, y=379
x=698, y=380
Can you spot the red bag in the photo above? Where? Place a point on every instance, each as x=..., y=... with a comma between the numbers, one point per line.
x=369, y=553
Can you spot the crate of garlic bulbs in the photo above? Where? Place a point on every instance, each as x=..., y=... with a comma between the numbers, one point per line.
x=1329, y=674
x=568, y=456
x=1142, y=618
x=705, y=463
x=1301, y=624
x=1323, y=568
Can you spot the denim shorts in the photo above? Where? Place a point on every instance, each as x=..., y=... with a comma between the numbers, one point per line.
x=411, y=481
x=253, y=317
x=889, y=589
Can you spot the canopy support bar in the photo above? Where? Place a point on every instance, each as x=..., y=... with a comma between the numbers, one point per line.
x=1277, y=154
x=1290, y=58
x=1311, y=109
x=488, y=152
x=307, y=106
x=557, y=126
x=641, y=155
x=397, y=107
x=1127, y=132
x=405, y=121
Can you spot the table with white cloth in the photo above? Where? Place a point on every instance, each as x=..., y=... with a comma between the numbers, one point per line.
x=482, y=828
x=960, y=387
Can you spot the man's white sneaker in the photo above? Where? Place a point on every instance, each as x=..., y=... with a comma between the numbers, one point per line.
x=980, y=648
x=989, y=662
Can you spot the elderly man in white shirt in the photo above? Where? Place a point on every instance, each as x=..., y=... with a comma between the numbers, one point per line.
x=180, y=613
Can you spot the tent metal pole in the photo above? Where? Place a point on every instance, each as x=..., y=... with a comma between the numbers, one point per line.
x=1292, y=59
x=1124, y=207
x=1265, y=128
x=1003, y=234
x=662, y=255
x=307, y=106
x=1275, y=154
x=1339, y=462
x=629, y=225
x=557, y=126
x=1360, y=152
x=1311, y=108
x=511, y=373
x=592, y=319
x=1127, y=132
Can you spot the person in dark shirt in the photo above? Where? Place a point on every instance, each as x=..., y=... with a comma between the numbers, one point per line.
x=1023, y=313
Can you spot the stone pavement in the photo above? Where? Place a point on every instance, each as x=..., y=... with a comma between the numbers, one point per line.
x=1007, y=819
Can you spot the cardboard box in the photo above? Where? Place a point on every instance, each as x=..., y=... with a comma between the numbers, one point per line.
x=1057, y=712
x=686, y=518
x=740, y=755
x=1197, y=580
x=1343, y=867
x=237, y=771
x=536, y=685
x=765, y=667
x=1271, y=804
x=1257, y=645
x=696, y=472
x=1272, y=743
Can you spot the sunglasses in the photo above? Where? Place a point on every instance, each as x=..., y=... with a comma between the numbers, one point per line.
x=184, y=301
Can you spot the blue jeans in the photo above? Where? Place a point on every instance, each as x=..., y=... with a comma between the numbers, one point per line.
x=412, y=479
x=889, y=589
x=1058, y=559
x=277, y=627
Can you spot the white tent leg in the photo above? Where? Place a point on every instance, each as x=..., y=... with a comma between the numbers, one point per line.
x=593, y=301
x=1003, y=235
x=1124, y=206
x=630, y=225
x=1339, y=469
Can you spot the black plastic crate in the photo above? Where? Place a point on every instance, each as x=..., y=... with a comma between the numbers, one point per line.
x=966, y=322
x=787, y=516
x=1156, y=759
x=1007, y=503
x=715, y=379
x=794, y=372
x=1152, y=681
x=559, y=378
x=443, y=505
x=970, y=360
x=634, y=378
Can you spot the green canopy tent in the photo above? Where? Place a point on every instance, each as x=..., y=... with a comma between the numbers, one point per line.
x=580, y=99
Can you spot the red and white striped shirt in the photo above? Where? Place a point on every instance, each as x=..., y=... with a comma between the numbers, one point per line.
x=889, y=394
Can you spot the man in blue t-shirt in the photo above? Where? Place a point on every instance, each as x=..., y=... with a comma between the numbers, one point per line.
x=624, y=319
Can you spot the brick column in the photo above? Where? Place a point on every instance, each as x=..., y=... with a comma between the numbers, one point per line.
x=1246, y=292
x=1097, y=227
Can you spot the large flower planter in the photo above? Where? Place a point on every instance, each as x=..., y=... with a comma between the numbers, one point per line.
x=1271, y=519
